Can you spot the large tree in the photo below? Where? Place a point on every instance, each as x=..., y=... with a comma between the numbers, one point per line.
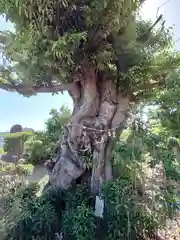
x=108, y=59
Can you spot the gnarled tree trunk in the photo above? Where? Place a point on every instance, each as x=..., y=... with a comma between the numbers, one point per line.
x=99, y=112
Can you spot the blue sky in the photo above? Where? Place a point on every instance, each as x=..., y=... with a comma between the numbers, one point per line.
x=32, y=112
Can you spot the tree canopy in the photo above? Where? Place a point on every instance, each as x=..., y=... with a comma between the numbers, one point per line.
x=54, y=39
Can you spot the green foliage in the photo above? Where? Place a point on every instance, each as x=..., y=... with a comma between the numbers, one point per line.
x=37, y=148
x=56, y=123
x=137, y=152
x=120, y=215
x=79, y=222
x=34, y=218
x=12, y=189
x=14, y=140
x=18, y=135
x=163, y=142
x=78, y=219
x=125, y=216
x=169, y=110
x=147, y=224
x=43, y=145
x=29, y=216
x=12, y=176
x=69, y=212
x=130, y=211
x=9, y=182
x=52, y=40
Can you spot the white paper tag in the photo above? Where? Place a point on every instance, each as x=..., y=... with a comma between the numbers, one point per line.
x=99, y=207
x=58, y=236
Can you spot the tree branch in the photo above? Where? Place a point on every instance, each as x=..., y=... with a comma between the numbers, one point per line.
x=144, y=37
x=33, y=90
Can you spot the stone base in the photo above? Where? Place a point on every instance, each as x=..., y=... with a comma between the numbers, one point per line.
x=9, y=157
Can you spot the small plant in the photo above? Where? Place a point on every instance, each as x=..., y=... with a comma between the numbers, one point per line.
x=79, y=223
x=78, y=218
x=35, y=218
x=120, y=215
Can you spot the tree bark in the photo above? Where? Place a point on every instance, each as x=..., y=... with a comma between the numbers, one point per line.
x=100, y=111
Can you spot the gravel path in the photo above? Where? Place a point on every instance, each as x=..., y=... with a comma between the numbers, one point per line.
x=38, y=173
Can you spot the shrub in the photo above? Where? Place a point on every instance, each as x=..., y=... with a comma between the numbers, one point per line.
x=121, y=211
x=34, y=217
x=42, y=217
x=10, y=184
x=126, y=215
x=12, y=202
x=43, y=145
x=37, y=148
x=78, y=218
x=69, y=212
x=14, y=142
x=56, y=122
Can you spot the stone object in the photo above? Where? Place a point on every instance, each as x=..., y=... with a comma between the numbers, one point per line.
x=9, y=157
x=16, y=128
x=15, y=146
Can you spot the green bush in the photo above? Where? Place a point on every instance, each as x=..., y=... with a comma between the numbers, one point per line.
x=34, y=217
x=11, y=202
x=37, y=148
x=43, y=145
x=42, y=217
x=12, y=141
x=120, y=215
x=70, y=212
x=10, y=184
x=56, y=123
x=78, y=221
x=126, y=216
x=31, y=217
